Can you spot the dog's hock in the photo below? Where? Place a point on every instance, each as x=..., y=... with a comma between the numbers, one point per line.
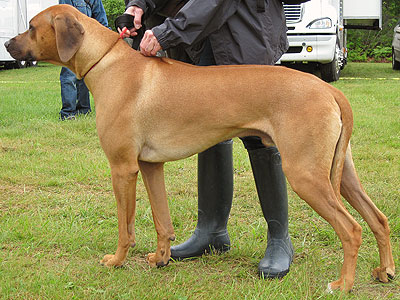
x=69, y=35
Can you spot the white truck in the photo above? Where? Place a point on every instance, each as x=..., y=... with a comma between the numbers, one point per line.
x=14, y=19
x=317, y=33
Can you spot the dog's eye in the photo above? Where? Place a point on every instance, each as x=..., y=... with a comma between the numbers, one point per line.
x=32, y=31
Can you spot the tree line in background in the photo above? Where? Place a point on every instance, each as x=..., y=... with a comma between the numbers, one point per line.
x=363, y=45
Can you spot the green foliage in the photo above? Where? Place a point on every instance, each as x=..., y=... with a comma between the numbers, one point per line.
x=355, y=53
x=113, y=8
x=364, y=45
x=381, y=52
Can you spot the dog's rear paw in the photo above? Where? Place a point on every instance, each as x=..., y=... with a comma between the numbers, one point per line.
x=383, y=274
x=110, y=260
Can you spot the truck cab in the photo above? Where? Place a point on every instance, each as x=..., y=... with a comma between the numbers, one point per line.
x=317, y=33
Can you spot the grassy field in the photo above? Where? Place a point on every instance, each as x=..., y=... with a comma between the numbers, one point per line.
x=58, y=213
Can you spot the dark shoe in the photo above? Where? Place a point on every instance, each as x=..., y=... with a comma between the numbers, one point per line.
x=84, y=112
x=215, y=192
x=272, y=193
x=68, y=118
x=202, y=243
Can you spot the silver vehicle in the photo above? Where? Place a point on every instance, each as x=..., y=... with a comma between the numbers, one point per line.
x=396, y=48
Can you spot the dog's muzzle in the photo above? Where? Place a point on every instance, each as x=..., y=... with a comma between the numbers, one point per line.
x=9, y=47
x=16, y=53
x=7, y=44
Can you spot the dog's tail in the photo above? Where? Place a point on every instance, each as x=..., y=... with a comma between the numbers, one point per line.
x=343, y=141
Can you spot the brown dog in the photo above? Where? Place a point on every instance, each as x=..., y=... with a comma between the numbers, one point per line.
x=152, y=110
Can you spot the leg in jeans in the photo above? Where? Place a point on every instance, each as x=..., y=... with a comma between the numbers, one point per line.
x=272, y=193
x=68, y=93
x=83, y=104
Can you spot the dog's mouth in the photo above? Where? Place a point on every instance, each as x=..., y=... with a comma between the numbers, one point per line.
x=29, y=57
x=16, y=53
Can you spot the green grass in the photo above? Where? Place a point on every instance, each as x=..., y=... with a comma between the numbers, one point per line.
x=58, y=213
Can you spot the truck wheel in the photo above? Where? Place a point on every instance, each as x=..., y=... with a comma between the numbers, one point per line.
x=395, y=63
x=9, y=65
x=20, y=64
x=331, y=71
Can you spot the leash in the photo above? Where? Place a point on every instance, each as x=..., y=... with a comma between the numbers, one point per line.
x=121, y=35
x=95, y=64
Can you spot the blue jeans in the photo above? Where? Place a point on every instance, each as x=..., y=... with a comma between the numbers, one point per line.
x=74, y=95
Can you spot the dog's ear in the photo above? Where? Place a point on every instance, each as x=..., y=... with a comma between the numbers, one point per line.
x=69, y=35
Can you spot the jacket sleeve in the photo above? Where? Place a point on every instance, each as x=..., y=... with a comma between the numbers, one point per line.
x=148, y=6
x=99, y=13
x=195, y=21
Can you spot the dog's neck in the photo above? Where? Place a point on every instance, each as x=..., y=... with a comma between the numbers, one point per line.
x=95, y=64
x=92, y=51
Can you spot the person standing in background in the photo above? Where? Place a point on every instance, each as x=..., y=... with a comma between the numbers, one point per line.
x=74, y=92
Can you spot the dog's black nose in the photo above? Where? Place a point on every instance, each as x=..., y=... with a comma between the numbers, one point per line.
x=6, y=44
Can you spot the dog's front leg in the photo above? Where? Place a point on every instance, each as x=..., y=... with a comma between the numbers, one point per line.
x=124, y=179
x=153, y=177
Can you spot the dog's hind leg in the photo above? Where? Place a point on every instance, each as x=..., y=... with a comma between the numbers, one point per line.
x=313, y=186
x=124, y=179
x=352, y=190
x=153, y=178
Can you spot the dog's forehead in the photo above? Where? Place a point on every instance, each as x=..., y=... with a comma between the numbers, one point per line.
x=46, y=16
x=41, y=18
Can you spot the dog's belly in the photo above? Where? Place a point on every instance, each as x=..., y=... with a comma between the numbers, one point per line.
x=182, y=145
x=179, y=147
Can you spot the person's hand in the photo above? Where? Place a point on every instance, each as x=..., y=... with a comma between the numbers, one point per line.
x=137, y=13
x=149, y=45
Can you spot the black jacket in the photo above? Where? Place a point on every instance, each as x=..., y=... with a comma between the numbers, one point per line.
x=240, y=31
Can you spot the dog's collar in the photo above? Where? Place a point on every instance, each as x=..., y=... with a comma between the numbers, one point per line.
x=95, y=64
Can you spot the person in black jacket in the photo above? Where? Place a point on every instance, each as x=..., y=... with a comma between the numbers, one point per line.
x=225, y=32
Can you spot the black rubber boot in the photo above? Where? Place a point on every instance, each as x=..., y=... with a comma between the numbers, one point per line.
x=215, y=192
x=272, y=192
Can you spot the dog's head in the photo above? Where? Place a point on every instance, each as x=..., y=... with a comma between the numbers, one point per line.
x=54, y=35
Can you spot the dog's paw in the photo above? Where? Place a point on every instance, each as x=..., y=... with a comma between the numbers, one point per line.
x=339, y=285
x=110, y=260
x=383, y=274
x=153, y=260
x=335, y=285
